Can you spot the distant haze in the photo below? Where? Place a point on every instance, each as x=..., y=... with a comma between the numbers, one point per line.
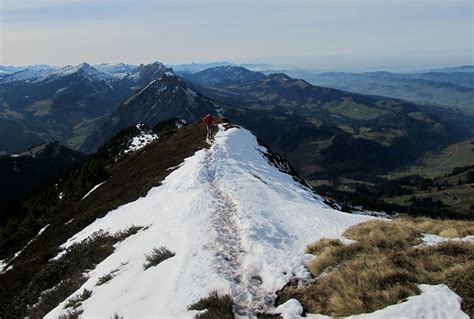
x=319, y=34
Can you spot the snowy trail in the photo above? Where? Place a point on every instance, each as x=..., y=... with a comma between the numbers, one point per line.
x=227, y=236
x=229, y=252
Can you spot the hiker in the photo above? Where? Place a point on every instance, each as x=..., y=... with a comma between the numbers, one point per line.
x=209, y=121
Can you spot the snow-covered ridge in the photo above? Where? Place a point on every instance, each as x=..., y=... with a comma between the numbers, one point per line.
x=236, y=224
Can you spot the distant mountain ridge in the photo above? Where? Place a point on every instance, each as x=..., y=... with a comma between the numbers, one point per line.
x=442, y=87
x=224, y=74
x=301, y=121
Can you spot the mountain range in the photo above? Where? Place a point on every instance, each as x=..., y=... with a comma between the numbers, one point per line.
x=326, y=133
x=158, y=221
x=63, y=104
x=451, y=87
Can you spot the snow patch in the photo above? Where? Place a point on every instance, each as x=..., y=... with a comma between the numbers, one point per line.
x=144, y=138
x=172, y=168
x=430, y=239
x=361, y=211
x=60, y=91
x=191, y=92
x=180, y=124
x=93, y=189
x=3, y=264
x=290, y=309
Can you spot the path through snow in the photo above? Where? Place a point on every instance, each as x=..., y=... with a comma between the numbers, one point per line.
x=228, y=244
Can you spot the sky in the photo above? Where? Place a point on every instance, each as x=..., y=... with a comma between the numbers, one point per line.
x=322, y=34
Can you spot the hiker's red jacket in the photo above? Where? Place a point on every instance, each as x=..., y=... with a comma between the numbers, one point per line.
x=208, y=120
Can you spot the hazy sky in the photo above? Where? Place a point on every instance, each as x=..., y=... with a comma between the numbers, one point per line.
x=318, y=33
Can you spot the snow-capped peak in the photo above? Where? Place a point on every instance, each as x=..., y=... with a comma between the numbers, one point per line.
x=37, y=75
x=83, y=69
x=118, y=70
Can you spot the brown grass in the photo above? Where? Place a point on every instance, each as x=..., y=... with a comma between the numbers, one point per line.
x=157, y=256
x=444, y=228
x=106, y=278
x=383, y=267
x=216, y=306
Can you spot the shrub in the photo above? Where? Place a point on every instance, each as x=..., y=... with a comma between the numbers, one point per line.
x=157, y=256
x=216, y=306
x=77, y=301
x=50, y=298
x=71, y=314
x=59, y=278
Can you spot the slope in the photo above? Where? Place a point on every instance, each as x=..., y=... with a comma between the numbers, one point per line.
x=127, y=180
x=23, y=173
x=225, y=237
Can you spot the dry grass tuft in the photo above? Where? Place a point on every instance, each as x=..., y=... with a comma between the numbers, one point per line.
x=107, y=277
x=321, y=245
x=216, y=306
x=157, y=256
x=77, y=301
x=385, y=234
x=383, y=267
x=449, y=233
x=75, y=314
